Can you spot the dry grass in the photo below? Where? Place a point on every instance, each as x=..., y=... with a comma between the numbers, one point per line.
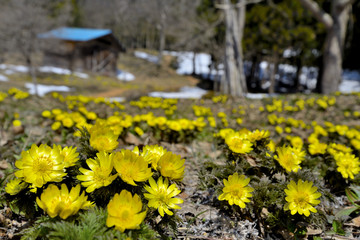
x=148, y=77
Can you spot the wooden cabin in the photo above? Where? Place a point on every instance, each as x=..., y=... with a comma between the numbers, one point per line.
x=82, y=49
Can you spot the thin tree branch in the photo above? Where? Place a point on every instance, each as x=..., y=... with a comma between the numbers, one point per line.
x=318, y=13
x=200, y=34
x=238, y=5
x=345, y=3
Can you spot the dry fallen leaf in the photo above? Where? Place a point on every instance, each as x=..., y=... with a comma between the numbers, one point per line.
x=4, y=137
x=251, y=161
x=132, y=139
x=356, y=221
x=4, y=164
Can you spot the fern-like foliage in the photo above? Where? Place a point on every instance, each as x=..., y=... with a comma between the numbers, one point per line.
x=87, y=226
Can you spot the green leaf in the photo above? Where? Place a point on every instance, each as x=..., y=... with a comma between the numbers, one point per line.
x=345, y=212
x=337, y=226
x=356, y=189
x=352, y=196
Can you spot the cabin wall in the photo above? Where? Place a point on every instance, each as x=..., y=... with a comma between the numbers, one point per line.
x=94, y=56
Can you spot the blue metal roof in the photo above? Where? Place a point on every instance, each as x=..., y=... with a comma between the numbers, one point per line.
x=75, y=34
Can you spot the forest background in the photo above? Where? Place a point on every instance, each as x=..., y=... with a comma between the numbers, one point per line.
x=295, y=32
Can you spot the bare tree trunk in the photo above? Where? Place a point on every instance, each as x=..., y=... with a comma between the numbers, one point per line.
x=273, y=73
x=32, y=72
x=234, y=82
x=161, y=31
x=336, y=25
x=296, y=85
x=194, y=63
x=333, y=51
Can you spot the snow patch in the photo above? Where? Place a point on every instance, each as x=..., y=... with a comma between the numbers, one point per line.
x=116, y=99
x=11, y=69
x=350, y=82
x=124, y=76
x=61, y=71
x=203, y=63
x=146, y=56
x=3, y=78
x=185, y=92
x=14, y=68
x=44, y=89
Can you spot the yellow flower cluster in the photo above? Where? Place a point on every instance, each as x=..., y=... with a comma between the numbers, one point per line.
x=242, y=141
x=43, y=164
x=220, y=98
x=290, y=158
x=156, y=102
x=2, y=96
x=18, y=94
x=347, y=164
x=61, y=202
x=201, y=111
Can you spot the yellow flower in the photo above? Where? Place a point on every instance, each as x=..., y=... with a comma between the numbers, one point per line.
x=139, y=131
x=289, y=158
x=225, y=131
x=100, y=173
x=236, y=190
x=296, y=141
x=172, y=166
x=238, y=144
x=271, y=146
x=341, y=129
x=317, y=148
x=70, y=155
x=322, y=104
x=152, y=154
x=16, y=123
x=313, y=138
x=67, y=122
x=301, y=197
x=319, y=130
x=348, y=164
x=46, y=114
x=55, y=126
x=161, y=196
x=102, y=138
x=335, y=148
x=124, y=211
x=355, y=143
x=279, y=129
x=131, y=167
x=174, y=125
x=15, y=186
x=40, y=165
x=239, y=121
x=60, y=202
x=288, y=129
x=257, y=135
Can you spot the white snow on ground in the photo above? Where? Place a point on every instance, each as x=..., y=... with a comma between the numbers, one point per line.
x=3, y=78
x=61, y=71
x=146, y=56
x=124, y=76
x=350, y=82
x=202, y=64
x=116, y=99
x=185, y=92
x=257, y=95
x=11, y=69
x=44, y=89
